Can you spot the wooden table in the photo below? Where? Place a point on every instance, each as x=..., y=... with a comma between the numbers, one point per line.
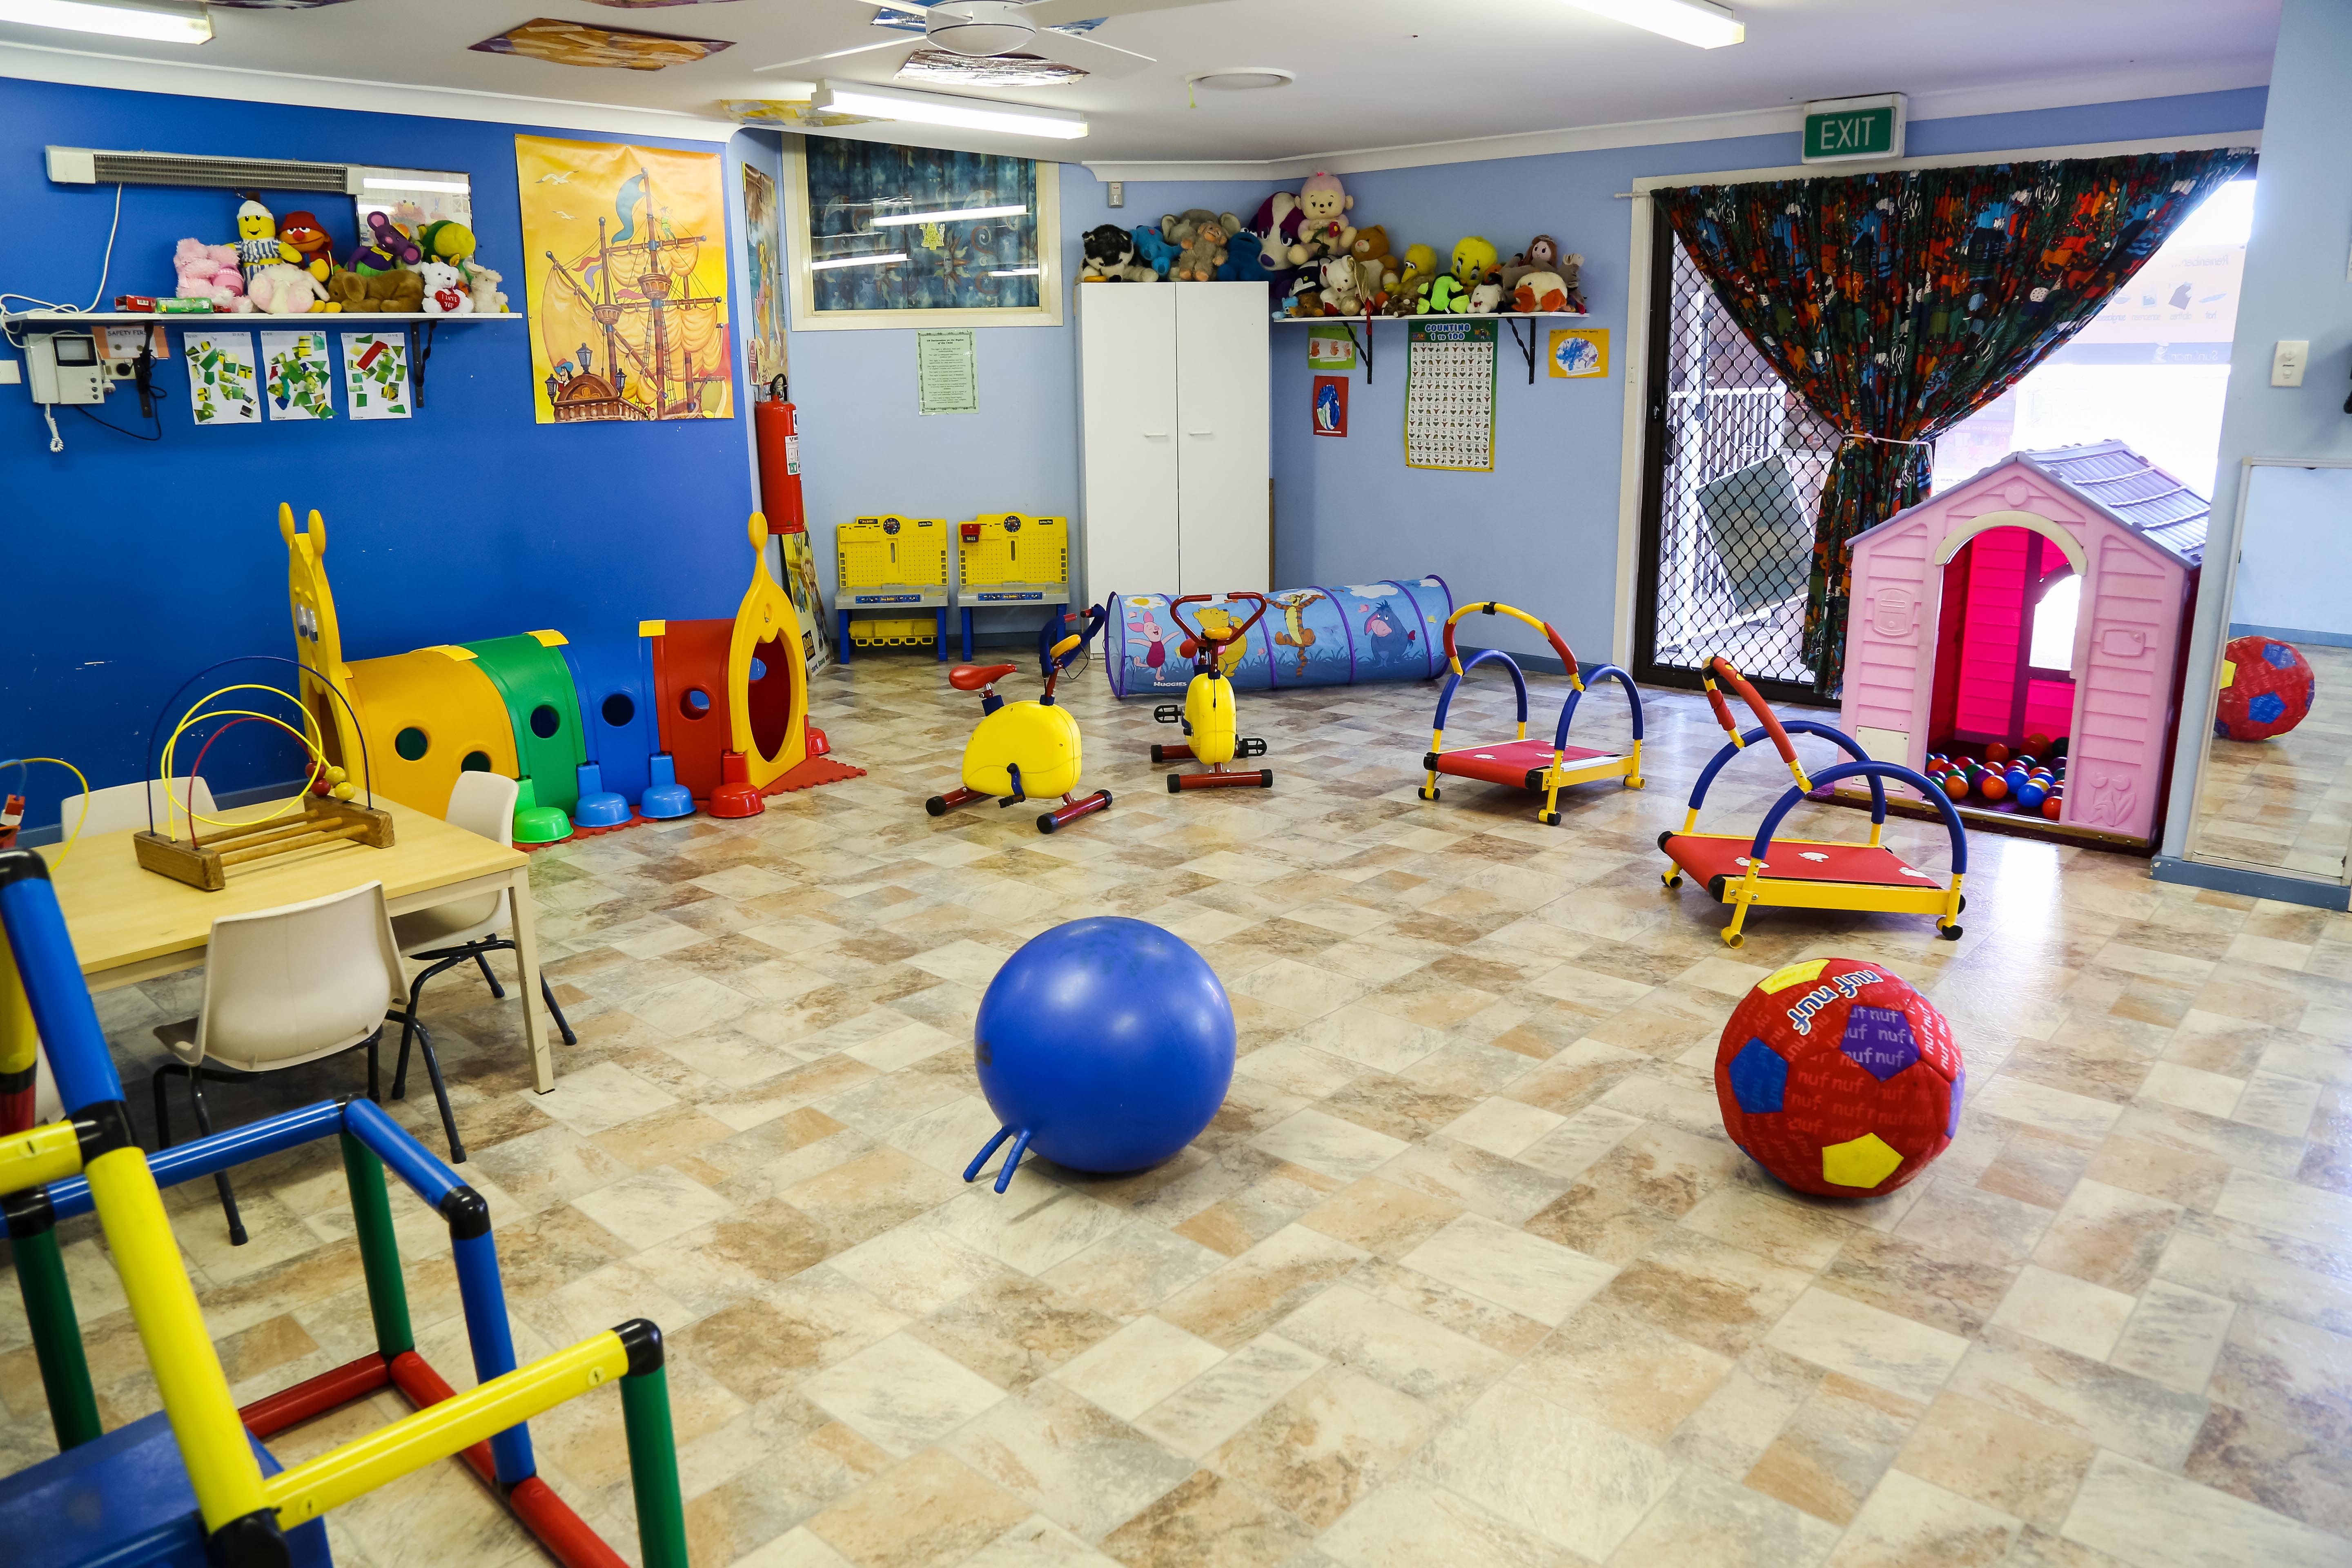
x=130, y=924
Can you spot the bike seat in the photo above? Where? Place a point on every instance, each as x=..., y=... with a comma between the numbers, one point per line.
x=972, y=677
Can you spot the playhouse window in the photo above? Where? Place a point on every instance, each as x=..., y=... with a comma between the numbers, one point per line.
x=2051, y=653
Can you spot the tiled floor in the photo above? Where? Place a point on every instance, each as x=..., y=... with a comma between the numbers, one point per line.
x=1464, y=1274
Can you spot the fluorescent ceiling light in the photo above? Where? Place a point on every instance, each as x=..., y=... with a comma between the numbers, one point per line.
x=373, y=184
x=937, y=109
x=858, y=261
x=1710, y=26
x=955, y=215
x=1016, y=272
x=158, y=20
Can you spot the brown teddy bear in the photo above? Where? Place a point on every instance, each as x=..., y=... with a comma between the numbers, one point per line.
x=1376, y=268
x=399, y=291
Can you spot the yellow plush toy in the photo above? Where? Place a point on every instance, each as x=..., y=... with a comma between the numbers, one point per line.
x=1473, y=259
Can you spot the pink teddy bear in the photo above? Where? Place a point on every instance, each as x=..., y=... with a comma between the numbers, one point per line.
x=210, y=272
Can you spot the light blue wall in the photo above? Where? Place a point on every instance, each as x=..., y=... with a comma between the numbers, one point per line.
x=2295, y=287
x=1541, y=529
x=2297, y=562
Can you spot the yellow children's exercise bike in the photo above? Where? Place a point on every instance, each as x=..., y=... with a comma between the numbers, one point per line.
x=1023, y=750
x=1208, y=715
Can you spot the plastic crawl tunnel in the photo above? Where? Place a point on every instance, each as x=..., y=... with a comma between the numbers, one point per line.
x=696, y=703
x=1389, y=630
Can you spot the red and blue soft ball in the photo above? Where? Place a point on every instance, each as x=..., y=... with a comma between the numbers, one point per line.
x=2267, y=690
x=1839, y=1078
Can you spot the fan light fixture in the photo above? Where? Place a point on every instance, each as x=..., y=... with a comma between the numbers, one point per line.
x=937, y=109
x=159, y=21
x=1243, y=79
x=1695, y=22
x=858, y=261
x=957, y=214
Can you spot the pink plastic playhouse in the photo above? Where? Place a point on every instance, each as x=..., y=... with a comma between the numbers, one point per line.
x=2047, y=597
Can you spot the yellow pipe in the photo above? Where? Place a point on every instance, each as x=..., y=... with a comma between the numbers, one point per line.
x=437, y=1431
x=1633, y=780
x=1951, y=902
x=19, y=1040
x=35, y=1159
x=213, y=1446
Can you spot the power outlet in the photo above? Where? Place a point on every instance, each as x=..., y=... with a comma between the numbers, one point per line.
x=2288, y=360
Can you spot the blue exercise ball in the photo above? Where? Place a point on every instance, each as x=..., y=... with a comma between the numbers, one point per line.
x=1104, y=1044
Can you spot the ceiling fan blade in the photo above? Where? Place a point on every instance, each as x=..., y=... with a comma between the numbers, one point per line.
x=905, y=7
x=899, y=41
x=1056, y=13
x=1088, y=53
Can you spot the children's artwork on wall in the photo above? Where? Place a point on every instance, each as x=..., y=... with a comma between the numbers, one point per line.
x=790, y=113
x=1578, y=352
x=629, y=319
x=881, y=235
x=221, y=379
x=763, y=264
x=298, y=375
x=1330, y=348
x=375, y=375
x=616, y=48
x=808, y=599
x=1331, y=406
x=1449, y=395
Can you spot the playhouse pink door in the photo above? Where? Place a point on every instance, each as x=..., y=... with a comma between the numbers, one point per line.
x=2115, y=766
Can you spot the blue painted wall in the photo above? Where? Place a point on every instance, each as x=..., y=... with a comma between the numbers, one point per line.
x=130, y=566
x=2295, y=287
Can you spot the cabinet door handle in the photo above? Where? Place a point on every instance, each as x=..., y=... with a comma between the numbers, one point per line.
x=1155, y=434
x=1199, y=432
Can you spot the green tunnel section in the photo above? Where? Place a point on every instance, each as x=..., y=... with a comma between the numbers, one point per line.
x=536, y=686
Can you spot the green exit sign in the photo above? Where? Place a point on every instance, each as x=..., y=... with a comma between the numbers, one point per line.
x=1839, y=130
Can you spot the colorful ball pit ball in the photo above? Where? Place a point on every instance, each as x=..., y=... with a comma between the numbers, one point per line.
x=2266, y=690
x=1839, y=1078
x=1104, y=1045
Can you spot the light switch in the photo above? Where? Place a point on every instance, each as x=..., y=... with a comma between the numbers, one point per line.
x=2288, y=360
x=11, y=373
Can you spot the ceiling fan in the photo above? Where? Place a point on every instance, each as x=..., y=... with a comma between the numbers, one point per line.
x=988, y=29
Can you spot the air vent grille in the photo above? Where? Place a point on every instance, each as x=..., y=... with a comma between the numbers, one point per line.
x=75, y=165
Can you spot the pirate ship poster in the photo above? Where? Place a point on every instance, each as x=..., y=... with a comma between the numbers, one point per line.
x=626, y=253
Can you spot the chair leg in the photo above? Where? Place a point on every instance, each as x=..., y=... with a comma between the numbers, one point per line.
x=163, y=1107
x=220, y=1178
x=482, y=960
x=408, y=1027
x=375, y=1067
x=547, y=993
x=441, y=1096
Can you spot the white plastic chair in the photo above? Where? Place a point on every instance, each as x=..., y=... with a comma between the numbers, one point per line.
x=283, y=987
x=469, y=930
x=121, y=807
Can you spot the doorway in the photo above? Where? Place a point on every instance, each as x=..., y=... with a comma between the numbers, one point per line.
x=2004, y=645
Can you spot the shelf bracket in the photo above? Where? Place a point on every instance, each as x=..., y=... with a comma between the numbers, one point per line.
x=1528, y=344
x=419, y=355
x=1363, y=346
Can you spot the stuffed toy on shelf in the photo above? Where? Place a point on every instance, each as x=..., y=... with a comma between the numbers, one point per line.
x=1276, y=227
x=281, y=290
x=1156, y=250
x=258, y=245
x=210, y=272
x=1342, y=291
x=1199, y=235
x=1111, y=256
x=1307, y=293
x=445, y=293
x=397, y=291
x=1445, y=295
x=303, y=232
x=484, y=284
x=1324, y=204
x=1376, y=268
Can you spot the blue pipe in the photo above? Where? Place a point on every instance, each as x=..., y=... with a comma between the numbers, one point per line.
x=401, y=1152
x=1843, y=741
x=51, y=977
x=487, y=1329
x=1568, y=711
x=1877, y=773
x=216, y=1152
x=1454, y=682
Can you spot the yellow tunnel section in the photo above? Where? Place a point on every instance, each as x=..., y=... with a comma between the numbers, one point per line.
x=428, y=716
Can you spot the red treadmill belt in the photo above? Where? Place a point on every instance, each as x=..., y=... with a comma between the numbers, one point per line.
x=1520, y=763
x=1706, y=856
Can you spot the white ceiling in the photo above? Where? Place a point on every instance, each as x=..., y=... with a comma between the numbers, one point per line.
x=1370, y=73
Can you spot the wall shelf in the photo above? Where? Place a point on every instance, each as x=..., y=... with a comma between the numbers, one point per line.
x=1364, y=343
x=419, y=352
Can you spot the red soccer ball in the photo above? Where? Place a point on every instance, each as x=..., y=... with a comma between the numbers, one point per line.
x=1839, y=1078
x=2266, y=689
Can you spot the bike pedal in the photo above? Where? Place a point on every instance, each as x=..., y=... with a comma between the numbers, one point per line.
x=1168, y=714
x=1250, y=746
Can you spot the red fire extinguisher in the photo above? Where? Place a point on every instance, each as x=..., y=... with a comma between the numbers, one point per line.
x=778, y=426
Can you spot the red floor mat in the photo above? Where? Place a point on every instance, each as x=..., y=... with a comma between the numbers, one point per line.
x=1706, y=856
x=1520, y=763
x=812, y=773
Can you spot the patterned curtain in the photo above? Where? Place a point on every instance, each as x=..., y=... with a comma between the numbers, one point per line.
x=1898, y=304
